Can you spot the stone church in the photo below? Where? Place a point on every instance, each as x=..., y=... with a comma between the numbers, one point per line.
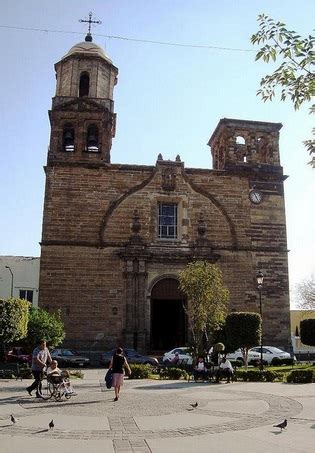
x=115, y=236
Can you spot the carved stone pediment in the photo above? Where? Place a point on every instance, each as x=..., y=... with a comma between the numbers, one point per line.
x=81, y=104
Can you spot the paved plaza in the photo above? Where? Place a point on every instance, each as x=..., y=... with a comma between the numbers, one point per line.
x=156, y=416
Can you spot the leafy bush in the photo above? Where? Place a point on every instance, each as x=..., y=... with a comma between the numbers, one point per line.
x=241, y=375
x=173, y=373
x=271, y=376
x=255, y=376
x=237, y=363
x=43, y=325
x=140, y=371
x=243, y=330
x=7, y=374
x=14, y=316
x=25, y=372
x=300, y=377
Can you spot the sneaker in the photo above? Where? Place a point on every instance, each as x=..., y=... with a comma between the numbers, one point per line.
x=29, y=391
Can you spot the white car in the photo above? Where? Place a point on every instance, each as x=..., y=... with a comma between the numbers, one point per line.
x=274, y=356
x=183, y=352
x=253, y=356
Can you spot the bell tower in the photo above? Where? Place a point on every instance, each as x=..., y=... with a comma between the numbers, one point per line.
x=243, y=144
x=82, y=116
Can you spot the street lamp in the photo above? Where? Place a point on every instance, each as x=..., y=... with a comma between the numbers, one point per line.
x=8, y=267
x=260, y=281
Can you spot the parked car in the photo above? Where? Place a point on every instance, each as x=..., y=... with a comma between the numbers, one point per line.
x=184, y=354
x=18, y=355
x=253, y=356
x=274, y=356
x=68, y=357
x=131, y=355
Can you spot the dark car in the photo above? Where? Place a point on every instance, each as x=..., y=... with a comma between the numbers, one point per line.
x=131, y=355
x=18, y=355
x=68, y=357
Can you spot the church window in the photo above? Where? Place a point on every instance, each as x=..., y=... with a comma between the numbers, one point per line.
x=84, y=85
x=68, y=138
x=167, y=220
x=92, y=139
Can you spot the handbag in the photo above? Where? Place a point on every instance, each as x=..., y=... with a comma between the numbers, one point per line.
x=109, y=378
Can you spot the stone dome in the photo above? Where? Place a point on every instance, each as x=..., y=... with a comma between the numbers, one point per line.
x=88, y=49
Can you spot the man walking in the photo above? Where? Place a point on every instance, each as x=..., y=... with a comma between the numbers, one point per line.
x=39, y=359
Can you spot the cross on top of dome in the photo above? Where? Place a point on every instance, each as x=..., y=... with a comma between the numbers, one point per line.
x=90, y=22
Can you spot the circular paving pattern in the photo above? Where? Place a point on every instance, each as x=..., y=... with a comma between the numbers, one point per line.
x=141, y=399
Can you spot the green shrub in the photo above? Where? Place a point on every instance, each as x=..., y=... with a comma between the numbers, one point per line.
x=7, y=374
x=300, y=377
x=173, y=373
x=241, y=375
x=25, y=372
x=271, y=376
x=140, y=371
x=255, y=376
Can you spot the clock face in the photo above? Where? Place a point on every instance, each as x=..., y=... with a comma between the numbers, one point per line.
x=255, y=196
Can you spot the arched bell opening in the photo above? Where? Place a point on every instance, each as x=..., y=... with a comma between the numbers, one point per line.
x=92, y=142
x=84, y=85
x=168, y=317
x=68, y=138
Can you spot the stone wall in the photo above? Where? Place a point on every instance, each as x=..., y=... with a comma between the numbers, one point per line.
x=87, y=245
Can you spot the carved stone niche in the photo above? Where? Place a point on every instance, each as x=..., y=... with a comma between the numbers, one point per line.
x=169, y=179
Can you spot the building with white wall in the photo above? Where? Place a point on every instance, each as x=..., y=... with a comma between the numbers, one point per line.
x=19, y=277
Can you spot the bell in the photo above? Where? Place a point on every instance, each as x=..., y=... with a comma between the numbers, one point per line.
x=68, y=134
x=92, y=140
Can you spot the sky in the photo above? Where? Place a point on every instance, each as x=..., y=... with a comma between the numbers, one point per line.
x=168, y=100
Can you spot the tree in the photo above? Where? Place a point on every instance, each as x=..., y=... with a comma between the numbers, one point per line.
x=306, y=293
x=243, y=330
x=307, y=331
x=202, y=283
x=294, y=76
x=45, y=326
x=14, y=315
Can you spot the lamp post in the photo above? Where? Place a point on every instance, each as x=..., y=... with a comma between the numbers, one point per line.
x=8, y=267
x=260, y=280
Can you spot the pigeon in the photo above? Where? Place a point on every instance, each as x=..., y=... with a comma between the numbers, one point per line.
x=13, y=419
x=51, y=424
x=282, y=425
x=194, y=405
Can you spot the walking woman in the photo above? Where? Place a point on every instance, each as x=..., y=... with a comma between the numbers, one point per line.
x=118, y=363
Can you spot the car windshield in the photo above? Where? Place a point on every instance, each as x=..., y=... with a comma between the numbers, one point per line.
x=68, y=352
x=276, y=350
x=130, y=352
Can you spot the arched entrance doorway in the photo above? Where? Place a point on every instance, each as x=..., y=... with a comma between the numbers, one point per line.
x=168, y=318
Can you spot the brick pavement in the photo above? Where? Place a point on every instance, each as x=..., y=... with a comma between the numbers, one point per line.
x=149, y=415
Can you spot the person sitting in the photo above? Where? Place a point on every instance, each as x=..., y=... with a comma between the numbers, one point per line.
x=173, y=361
x=200, y=370
x=225, y=370
x=55, y=375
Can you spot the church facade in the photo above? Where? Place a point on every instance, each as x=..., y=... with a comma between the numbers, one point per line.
x=115, y=236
